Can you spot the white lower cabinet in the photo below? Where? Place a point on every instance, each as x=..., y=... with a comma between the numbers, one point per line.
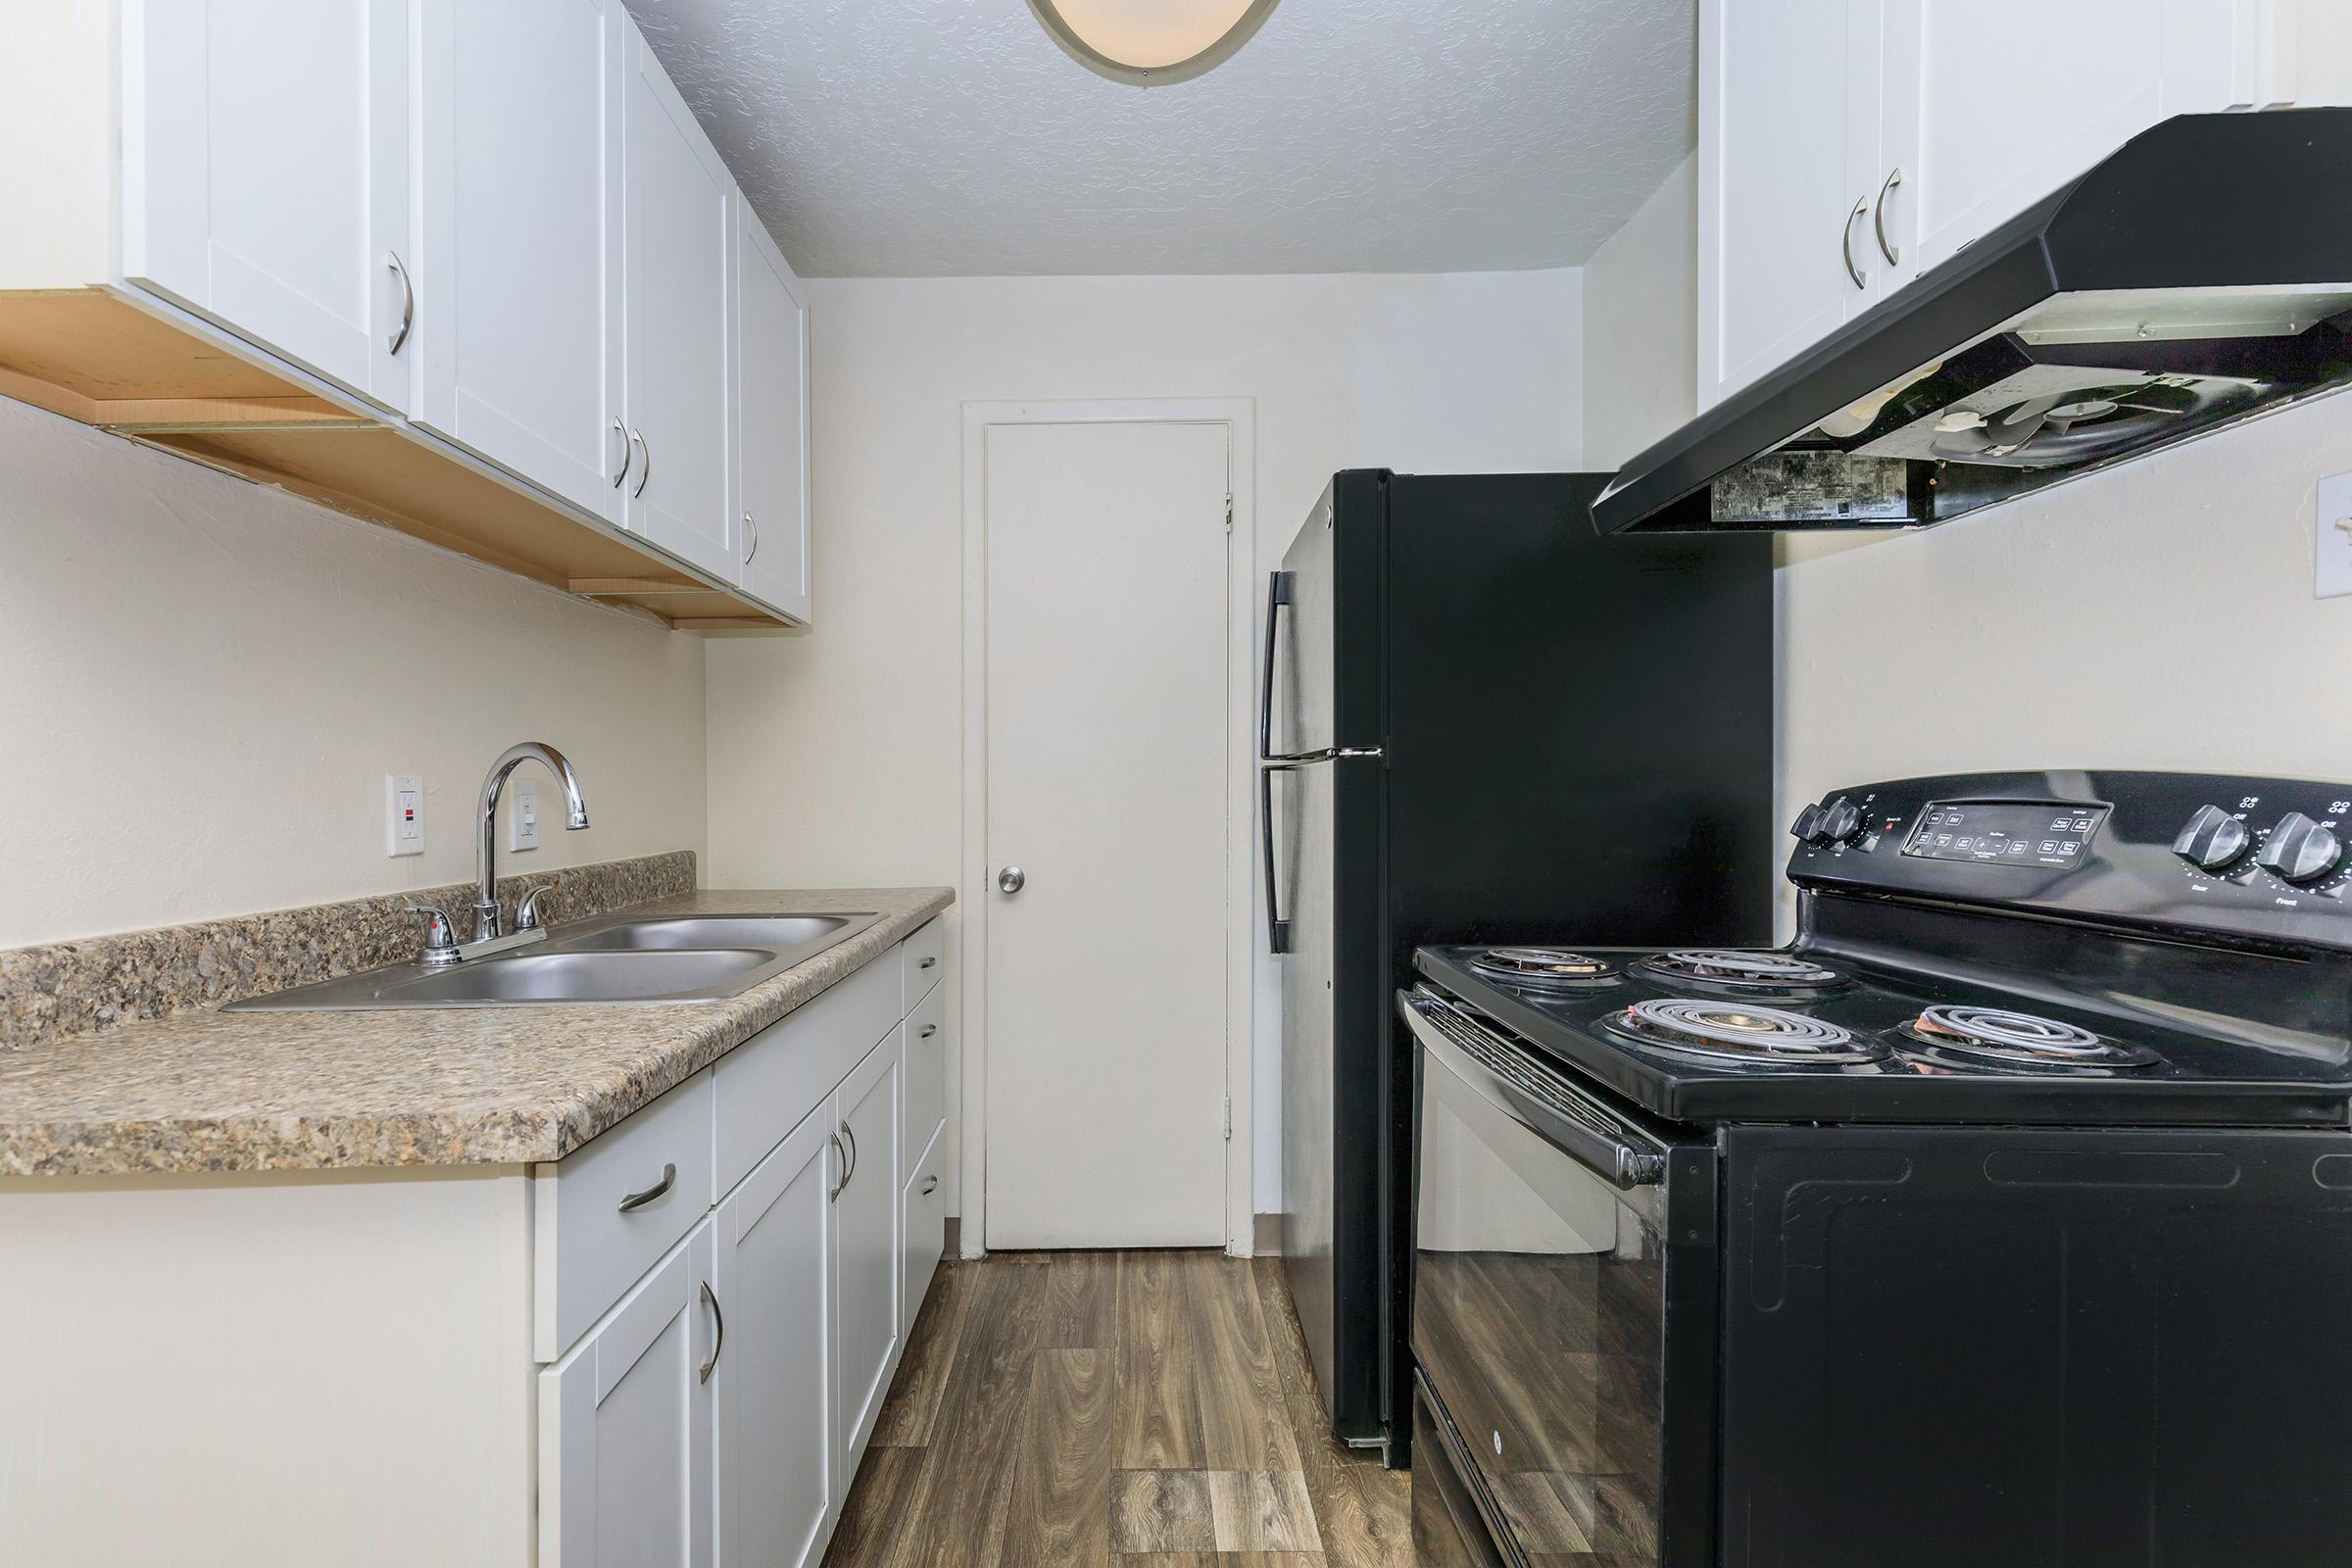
x=924, y=1226
x=781, y=1478
x=624, y=1425
x=867, y=1223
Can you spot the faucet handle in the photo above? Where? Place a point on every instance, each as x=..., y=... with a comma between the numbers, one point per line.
x=526, y=914
x=440, y=941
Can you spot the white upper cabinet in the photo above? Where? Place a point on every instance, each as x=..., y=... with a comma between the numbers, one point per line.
x=521, y=248
x=1787, y=125
x=266, y=177
x=771, y=419
x=1981, y=128
x=1847, y=145
x=677, y=255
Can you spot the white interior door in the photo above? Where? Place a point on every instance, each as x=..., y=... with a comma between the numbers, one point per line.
x=1107, y=783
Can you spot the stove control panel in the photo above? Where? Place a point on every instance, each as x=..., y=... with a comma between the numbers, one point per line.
x=2263, y=861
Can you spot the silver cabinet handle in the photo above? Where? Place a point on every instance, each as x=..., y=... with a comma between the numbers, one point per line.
x=629, y=452
x=632, y=1202
x=408, y=300
x=1010, y=880
x=929, y=1030
x=751, y=529
x=645, y=470
x=840, y=1157
x=1846, y=243
x=849, y=1137
x=1894, y=182
x=931, y=1186
x=928, y=962
x=719, y=1327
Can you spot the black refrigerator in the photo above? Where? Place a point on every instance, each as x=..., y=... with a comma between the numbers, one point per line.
x=1481, y=720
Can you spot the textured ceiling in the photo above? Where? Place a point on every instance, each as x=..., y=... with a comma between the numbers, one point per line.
x=952, y=137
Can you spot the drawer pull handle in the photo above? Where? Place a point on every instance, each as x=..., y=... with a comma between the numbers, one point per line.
x=632, y=1202
x=931, y=1186
x=840, y=1157
x=719, y=1328
x=929, y=1030
x=928, y=962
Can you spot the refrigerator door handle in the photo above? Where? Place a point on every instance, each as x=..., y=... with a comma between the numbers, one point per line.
x=1278, y=594
x=1278, y=930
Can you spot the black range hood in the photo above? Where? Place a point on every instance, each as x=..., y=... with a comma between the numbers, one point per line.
x=2201, y=275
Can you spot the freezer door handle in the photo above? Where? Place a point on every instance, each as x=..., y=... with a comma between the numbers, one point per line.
x=1278, y=930
x=1278, y=594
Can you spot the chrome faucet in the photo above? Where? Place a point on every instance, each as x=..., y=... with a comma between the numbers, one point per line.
x=485, y=863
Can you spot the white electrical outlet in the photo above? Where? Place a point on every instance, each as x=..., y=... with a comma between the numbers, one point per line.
x=522, y=818
x=404, y=813
x=2332, y=523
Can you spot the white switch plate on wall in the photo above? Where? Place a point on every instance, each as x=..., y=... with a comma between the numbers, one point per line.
x=404, y=813
x=522, y=818
x=2332, y=522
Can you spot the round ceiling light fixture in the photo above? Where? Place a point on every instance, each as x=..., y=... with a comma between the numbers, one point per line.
x=1150, y=43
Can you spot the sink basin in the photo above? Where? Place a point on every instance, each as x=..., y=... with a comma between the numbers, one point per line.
x=678, y=958
x=773, y=932
x=689, y=976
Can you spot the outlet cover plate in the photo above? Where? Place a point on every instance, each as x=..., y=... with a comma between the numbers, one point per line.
x=522, y=815
x=2332, y=523
x=404, y=814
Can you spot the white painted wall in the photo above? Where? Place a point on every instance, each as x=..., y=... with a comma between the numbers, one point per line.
x=1642, y=325
x=203, y=683
x=835, y=756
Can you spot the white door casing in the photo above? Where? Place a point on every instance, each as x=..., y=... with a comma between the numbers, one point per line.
x=1107, y=986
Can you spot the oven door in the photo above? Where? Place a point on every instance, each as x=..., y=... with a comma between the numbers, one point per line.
x=1566, y=1341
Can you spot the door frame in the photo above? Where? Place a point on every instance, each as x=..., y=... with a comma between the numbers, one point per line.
x=973, y=896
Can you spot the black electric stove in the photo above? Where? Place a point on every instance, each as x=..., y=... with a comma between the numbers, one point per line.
x=2004, y=1216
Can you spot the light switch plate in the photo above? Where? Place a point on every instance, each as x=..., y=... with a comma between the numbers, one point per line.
x=404, y=813
x=522, y=815
x=2332, y=523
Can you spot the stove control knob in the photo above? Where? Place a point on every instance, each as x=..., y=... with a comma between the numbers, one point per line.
x=2299, y=850
x=2213, y=840
x=1806, y=825
x=1840, y=822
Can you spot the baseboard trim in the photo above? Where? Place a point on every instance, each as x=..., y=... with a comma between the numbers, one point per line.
x=1266, y=1236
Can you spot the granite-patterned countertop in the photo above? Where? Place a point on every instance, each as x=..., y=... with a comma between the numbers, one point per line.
x=308, y=1090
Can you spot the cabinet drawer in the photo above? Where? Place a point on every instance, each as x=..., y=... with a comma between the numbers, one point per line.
x=926, y=1085
x=924, y=1227
x=923, y=956
x=768, y=1083
x=602, y=1215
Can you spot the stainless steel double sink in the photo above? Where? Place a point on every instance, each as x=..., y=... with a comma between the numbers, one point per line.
x=618, y=957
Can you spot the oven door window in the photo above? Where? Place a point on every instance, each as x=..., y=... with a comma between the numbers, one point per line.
x=1537, y=1309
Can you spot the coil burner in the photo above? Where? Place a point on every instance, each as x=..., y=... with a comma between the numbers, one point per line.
x=1733, y=1032
x=1546, y=969
x=1994, y=1037
x=1756, y=973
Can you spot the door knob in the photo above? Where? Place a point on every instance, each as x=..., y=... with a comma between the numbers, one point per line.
x=1011, y=879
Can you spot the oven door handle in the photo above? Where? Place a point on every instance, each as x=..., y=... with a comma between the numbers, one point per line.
x=1585, y=1132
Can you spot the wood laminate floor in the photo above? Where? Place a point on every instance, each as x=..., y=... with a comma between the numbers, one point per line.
x=1120, y=1409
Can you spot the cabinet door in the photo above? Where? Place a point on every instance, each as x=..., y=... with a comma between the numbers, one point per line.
x=266, y=174
x=521, y=249
x=1787, y=132
x=780, y=1487
x=1993, y=104
x=624, y=1429
x=866, y=1218
x=772, y=418
x=680, y=203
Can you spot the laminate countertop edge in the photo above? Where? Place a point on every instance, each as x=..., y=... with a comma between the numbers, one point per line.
x=212, y=1092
